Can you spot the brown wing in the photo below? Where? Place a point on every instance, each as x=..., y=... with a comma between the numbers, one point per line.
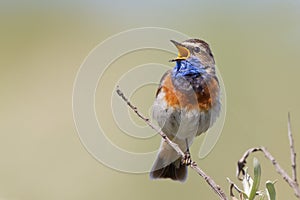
x=161, y=81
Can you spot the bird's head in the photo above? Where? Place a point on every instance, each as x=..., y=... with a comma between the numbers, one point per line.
x=196, y=53
x=194, y=49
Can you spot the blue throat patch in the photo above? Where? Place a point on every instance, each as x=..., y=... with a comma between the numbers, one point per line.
x=185, y=68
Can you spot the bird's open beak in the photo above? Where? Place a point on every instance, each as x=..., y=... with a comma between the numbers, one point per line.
x=183, y=52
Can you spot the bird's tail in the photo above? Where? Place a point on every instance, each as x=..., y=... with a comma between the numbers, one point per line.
x=164, y=168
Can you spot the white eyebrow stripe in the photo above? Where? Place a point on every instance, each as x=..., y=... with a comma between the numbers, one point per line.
x=195, y=45
x=190, y=44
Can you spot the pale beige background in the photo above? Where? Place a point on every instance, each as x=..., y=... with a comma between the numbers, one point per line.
x=256, y=46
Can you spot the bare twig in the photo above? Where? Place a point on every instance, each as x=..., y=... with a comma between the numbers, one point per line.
x=148, y=122
x=233, y=186
x=216, y=188
x=268, y=155
x=291, y=181
x=292, y=149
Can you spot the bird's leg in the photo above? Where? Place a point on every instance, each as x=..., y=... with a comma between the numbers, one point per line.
x=186, y=160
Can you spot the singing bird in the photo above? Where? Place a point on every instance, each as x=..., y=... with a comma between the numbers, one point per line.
x=187, y=104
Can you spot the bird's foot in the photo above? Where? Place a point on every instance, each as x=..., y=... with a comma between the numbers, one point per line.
x=186, y=159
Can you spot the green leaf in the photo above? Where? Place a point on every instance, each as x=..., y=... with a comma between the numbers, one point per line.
x=256, y=180
x=271, y=190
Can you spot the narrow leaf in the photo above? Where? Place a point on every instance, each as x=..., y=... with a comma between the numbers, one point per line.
x=271, y=190
x=256, y=180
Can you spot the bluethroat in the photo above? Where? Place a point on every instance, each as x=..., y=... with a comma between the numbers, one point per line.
x=187, y=104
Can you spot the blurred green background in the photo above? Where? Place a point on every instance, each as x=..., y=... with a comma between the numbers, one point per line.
x=42, y=45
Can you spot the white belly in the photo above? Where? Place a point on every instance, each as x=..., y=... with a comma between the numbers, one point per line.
x=181, y=124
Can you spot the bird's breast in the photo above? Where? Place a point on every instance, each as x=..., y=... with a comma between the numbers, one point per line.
x=202, y=95
x=184, y=114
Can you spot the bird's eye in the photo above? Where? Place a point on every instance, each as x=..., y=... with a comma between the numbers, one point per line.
x=197, y=49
